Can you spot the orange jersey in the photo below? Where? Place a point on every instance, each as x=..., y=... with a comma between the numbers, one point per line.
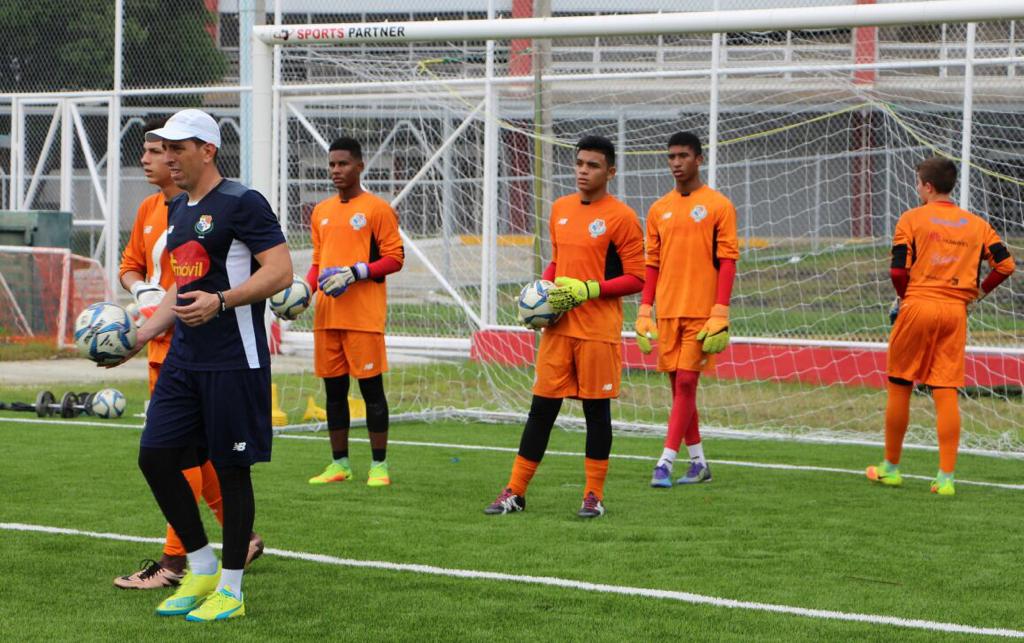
x=146, y=254
x=598, y=241
x=943, y=246
x=686, y=236
x=344, y=233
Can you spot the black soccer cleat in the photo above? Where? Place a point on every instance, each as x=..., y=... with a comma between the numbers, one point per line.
x=506, y=503
x=592, y=507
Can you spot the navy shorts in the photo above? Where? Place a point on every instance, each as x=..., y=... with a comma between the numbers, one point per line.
x=227, y=411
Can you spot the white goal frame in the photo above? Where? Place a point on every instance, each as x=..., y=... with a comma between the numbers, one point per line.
x=268, y=106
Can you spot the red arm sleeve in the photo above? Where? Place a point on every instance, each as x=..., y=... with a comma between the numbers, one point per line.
x=726, y=277
x=314, y=272
x=549, y=272
x=384, y=267
x=900, y=278
x=650, y=286
x=994, y=279
x=621, y=286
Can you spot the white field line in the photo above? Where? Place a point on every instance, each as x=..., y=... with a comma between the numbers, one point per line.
x=550, y=581
x=479, y=447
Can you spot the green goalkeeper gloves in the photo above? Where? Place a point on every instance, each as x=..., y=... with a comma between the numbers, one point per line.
x=715, y=333
x=570, y=293
x=646, y=329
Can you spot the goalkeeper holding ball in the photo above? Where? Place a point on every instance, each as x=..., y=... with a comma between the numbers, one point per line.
x=597, y=257
x=146, y=273
x=691, y=263
x=356, y=244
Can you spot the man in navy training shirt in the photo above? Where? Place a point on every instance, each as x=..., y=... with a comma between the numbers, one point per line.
x=227, y=255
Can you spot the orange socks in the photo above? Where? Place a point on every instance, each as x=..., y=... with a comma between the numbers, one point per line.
x=203, y=481
x=522, y=473
x=211, y=491
x=947, y=410
x=897, y=416
x=597, y=470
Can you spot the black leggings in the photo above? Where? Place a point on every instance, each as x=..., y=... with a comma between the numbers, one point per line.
x=544, y=412
x=162, y=469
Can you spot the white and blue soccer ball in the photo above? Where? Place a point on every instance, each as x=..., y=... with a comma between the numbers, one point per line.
x=108, y=403
x=104, y=333
x=534, y=311
x=293, y=300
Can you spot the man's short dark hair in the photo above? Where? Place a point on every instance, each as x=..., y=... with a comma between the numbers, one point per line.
x=347, y=144
x=686, y=139
x=598, y=144
x=940, y=172
x=152, y=123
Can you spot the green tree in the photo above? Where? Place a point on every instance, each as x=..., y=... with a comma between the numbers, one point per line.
x=53, y=46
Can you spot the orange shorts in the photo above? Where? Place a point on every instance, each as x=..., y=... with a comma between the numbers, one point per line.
x=154, y=372
x=927, y=343
x=579, y=368
x=339, y=352
x=678, y=348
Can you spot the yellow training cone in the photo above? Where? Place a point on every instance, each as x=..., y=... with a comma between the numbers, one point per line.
x=356, y=408
x=277, y=415
x=313, y=412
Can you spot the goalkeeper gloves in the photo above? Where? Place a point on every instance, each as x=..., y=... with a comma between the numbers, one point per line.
x=646, y=329
x=715, y=333
x=335, y=281
x=894, y=311
x=147, y=298
x=570, y=293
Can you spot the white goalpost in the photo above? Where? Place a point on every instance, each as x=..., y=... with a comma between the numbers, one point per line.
x=813, y=118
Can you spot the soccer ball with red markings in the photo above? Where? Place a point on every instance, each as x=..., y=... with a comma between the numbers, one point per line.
x=104, y=333
x=293, y=300
x=533, y=308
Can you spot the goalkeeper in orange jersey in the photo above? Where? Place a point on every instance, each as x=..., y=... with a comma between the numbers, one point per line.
x=597, y=258
x=691, y=264
x=937, y=250
x=356, y=244
x=146, y=273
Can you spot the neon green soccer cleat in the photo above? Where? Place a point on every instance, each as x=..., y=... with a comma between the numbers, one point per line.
x=885, y=474
x=333, y=473
x=220, y=606
x=943, y=485
x=378, y=475
x=194, y=589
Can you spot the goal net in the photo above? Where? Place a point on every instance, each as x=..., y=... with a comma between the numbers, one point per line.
x=42, y=290
x=812, y=133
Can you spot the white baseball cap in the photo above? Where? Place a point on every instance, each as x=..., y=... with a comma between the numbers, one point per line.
x=186, y=124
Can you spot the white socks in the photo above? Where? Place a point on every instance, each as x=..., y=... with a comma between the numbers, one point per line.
x=668, y=457
x=231, y=578
x=696, y=452
x=203, y=561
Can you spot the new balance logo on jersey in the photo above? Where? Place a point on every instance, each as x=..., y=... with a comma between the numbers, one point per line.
x=666, y=216
x=597, y=228
x=323, y=222
x=698, y=213
x=239, y=446
x=358, y=221
x=563, y=221
x=147, y=229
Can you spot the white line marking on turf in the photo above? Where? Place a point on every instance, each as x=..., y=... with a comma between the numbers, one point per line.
x=622, y=590
x=480, y=447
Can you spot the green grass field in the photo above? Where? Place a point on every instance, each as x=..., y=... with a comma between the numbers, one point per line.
x=792, y=536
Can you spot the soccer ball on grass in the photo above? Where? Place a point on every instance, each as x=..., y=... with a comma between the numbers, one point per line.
x=108, y=403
